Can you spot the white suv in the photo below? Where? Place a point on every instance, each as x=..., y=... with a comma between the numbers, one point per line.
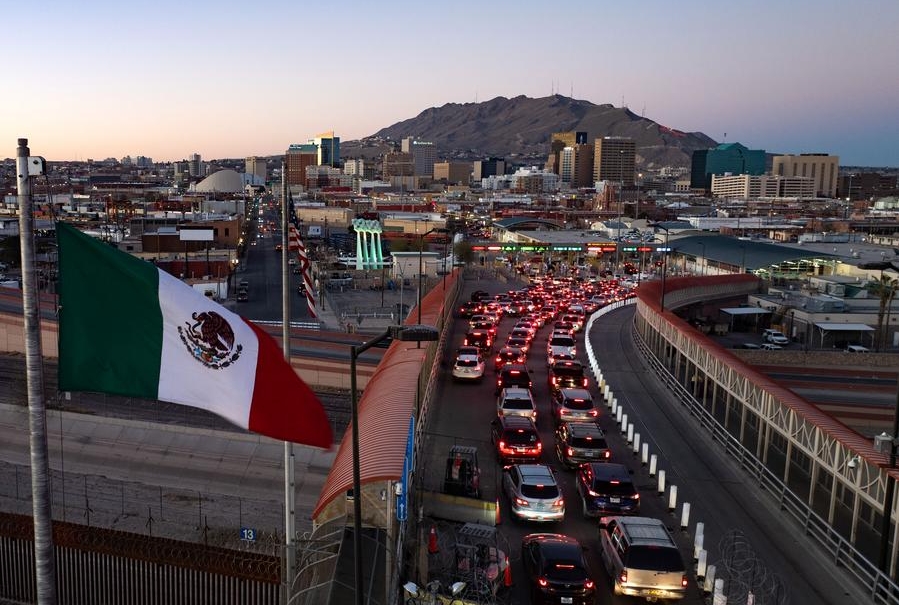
x=775, y=337
x=516, y=401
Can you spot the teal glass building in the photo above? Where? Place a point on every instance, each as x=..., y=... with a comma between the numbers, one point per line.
x=729, y=157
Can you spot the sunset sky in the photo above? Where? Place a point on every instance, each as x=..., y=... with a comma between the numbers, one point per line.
x=230, y=79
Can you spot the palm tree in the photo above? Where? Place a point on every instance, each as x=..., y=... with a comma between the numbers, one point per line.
x=885, y=289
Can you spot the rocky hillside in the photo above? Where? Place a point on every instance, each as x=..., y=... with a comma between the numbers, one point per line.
x=519, y=130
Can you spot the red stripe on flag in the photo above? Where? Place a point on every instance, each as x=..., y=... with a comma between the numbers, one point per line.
x=284, y=407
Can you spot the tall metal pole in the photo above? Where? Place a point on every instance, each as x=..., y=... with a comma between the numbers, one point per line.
x=355, y=351
x=664, y=272
x=45, y=563
x=290, y=521
x=421, y=244
x=704, y=262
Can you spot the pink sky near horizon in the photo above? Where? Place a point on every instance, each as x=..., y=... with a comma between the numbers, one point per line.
x=226, y=81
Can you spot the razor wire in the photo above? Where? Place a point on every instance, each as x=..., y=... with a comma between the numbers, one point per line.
x=747, y=580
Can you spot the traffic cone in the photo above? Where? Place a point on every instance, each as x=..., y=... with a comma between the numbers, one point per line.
x=432, y=540
x=507, y=574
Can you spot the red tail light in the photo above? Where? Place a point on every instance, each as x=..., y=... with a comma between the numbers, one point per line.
x=622, y=577
x=607, y=454
x=521, y=502
x=593, y=413
x=683, y=581
x=588, y=584
x=559, y=503
x=570, y=451
x=542, y=582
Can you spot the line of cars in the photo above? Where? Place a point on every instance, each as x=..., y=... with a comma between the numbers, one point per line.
x=639, y=555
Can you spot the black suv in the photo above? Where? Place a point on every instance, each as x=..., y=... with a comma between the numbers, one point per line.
x=579, y=442
x=480, y=339
x=516, y=439
x=513, y=375
x=567, y=374
x=467, y=309
x=607, y=488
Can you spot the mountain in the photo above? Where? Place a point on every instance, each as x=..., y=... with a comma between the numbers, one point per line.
x=519, y=130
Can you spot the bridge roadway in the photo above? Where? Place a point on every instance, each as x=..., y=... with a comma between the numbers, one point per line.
x=719, y=493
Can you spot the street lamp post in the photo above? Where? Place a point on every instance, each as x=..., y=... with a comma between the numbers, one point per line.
x=419, y=334
x=704, y=262
x=664, y=266
x=421, y=245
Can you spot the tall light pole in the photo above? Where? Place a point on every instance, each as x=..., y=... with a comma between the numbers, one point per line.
x=664, y=266
x=703, y=257
x=419, y=334
x=421, y=246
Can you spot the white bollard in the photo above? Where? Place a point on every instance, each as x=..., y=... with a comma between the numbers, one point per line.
x=684, y=516
x=701, y=566
x=709, y=580
x=618, y=414
x=630, y=432
x=718, y=597
x=636, y=443
x=614, y=404
x=698, y=540
x=700, y=528
x=672, y=498
x=653, y=464
x=644, y=454
x=606, y=391
x=661, y=481
x=750, y=598
x=623, y=421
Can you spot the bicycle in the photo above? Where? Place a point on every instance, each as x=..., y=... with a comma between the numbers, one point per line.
x=432, y=595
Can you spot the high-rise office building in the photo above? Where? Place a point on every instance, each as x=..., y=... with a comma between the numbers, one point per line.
x=257, y=166
x=328, y=153
x=424, y=154
x=195, y=164
x=822, y=168
x=730, y=158
x=397, y=163
x=453, y=173
x=576, y=165
x=614, y=160
x=297, y=159
x=559, y=141
x=482, y=169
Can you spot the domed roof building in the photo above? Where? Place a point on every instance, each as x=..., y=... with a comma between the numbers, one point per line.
x=226, y=181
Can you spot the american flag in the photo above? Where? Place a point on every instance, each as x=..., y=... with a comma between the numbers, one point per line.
x=295, y=244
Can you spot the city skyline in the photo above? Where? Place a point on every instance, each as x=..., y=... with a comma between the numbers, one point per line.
x=227, y=82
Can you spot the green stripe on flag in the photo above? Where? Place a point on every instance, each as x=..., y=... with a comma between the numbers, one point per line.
x=110, y=322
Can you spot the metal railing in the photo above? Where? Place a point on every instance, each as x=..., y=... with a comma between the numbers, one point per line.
x=878, y=585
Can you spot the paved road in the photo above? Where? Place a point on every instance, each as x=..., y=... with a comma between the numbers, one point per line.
x=720, y=496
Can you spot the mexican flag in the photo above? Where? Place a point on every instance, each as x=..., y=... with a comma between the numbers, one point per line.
x=127, y=328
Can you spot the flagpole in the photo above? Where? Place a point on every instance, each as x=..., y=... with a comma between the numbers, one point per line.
x=289, y=475
x=45, y=563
